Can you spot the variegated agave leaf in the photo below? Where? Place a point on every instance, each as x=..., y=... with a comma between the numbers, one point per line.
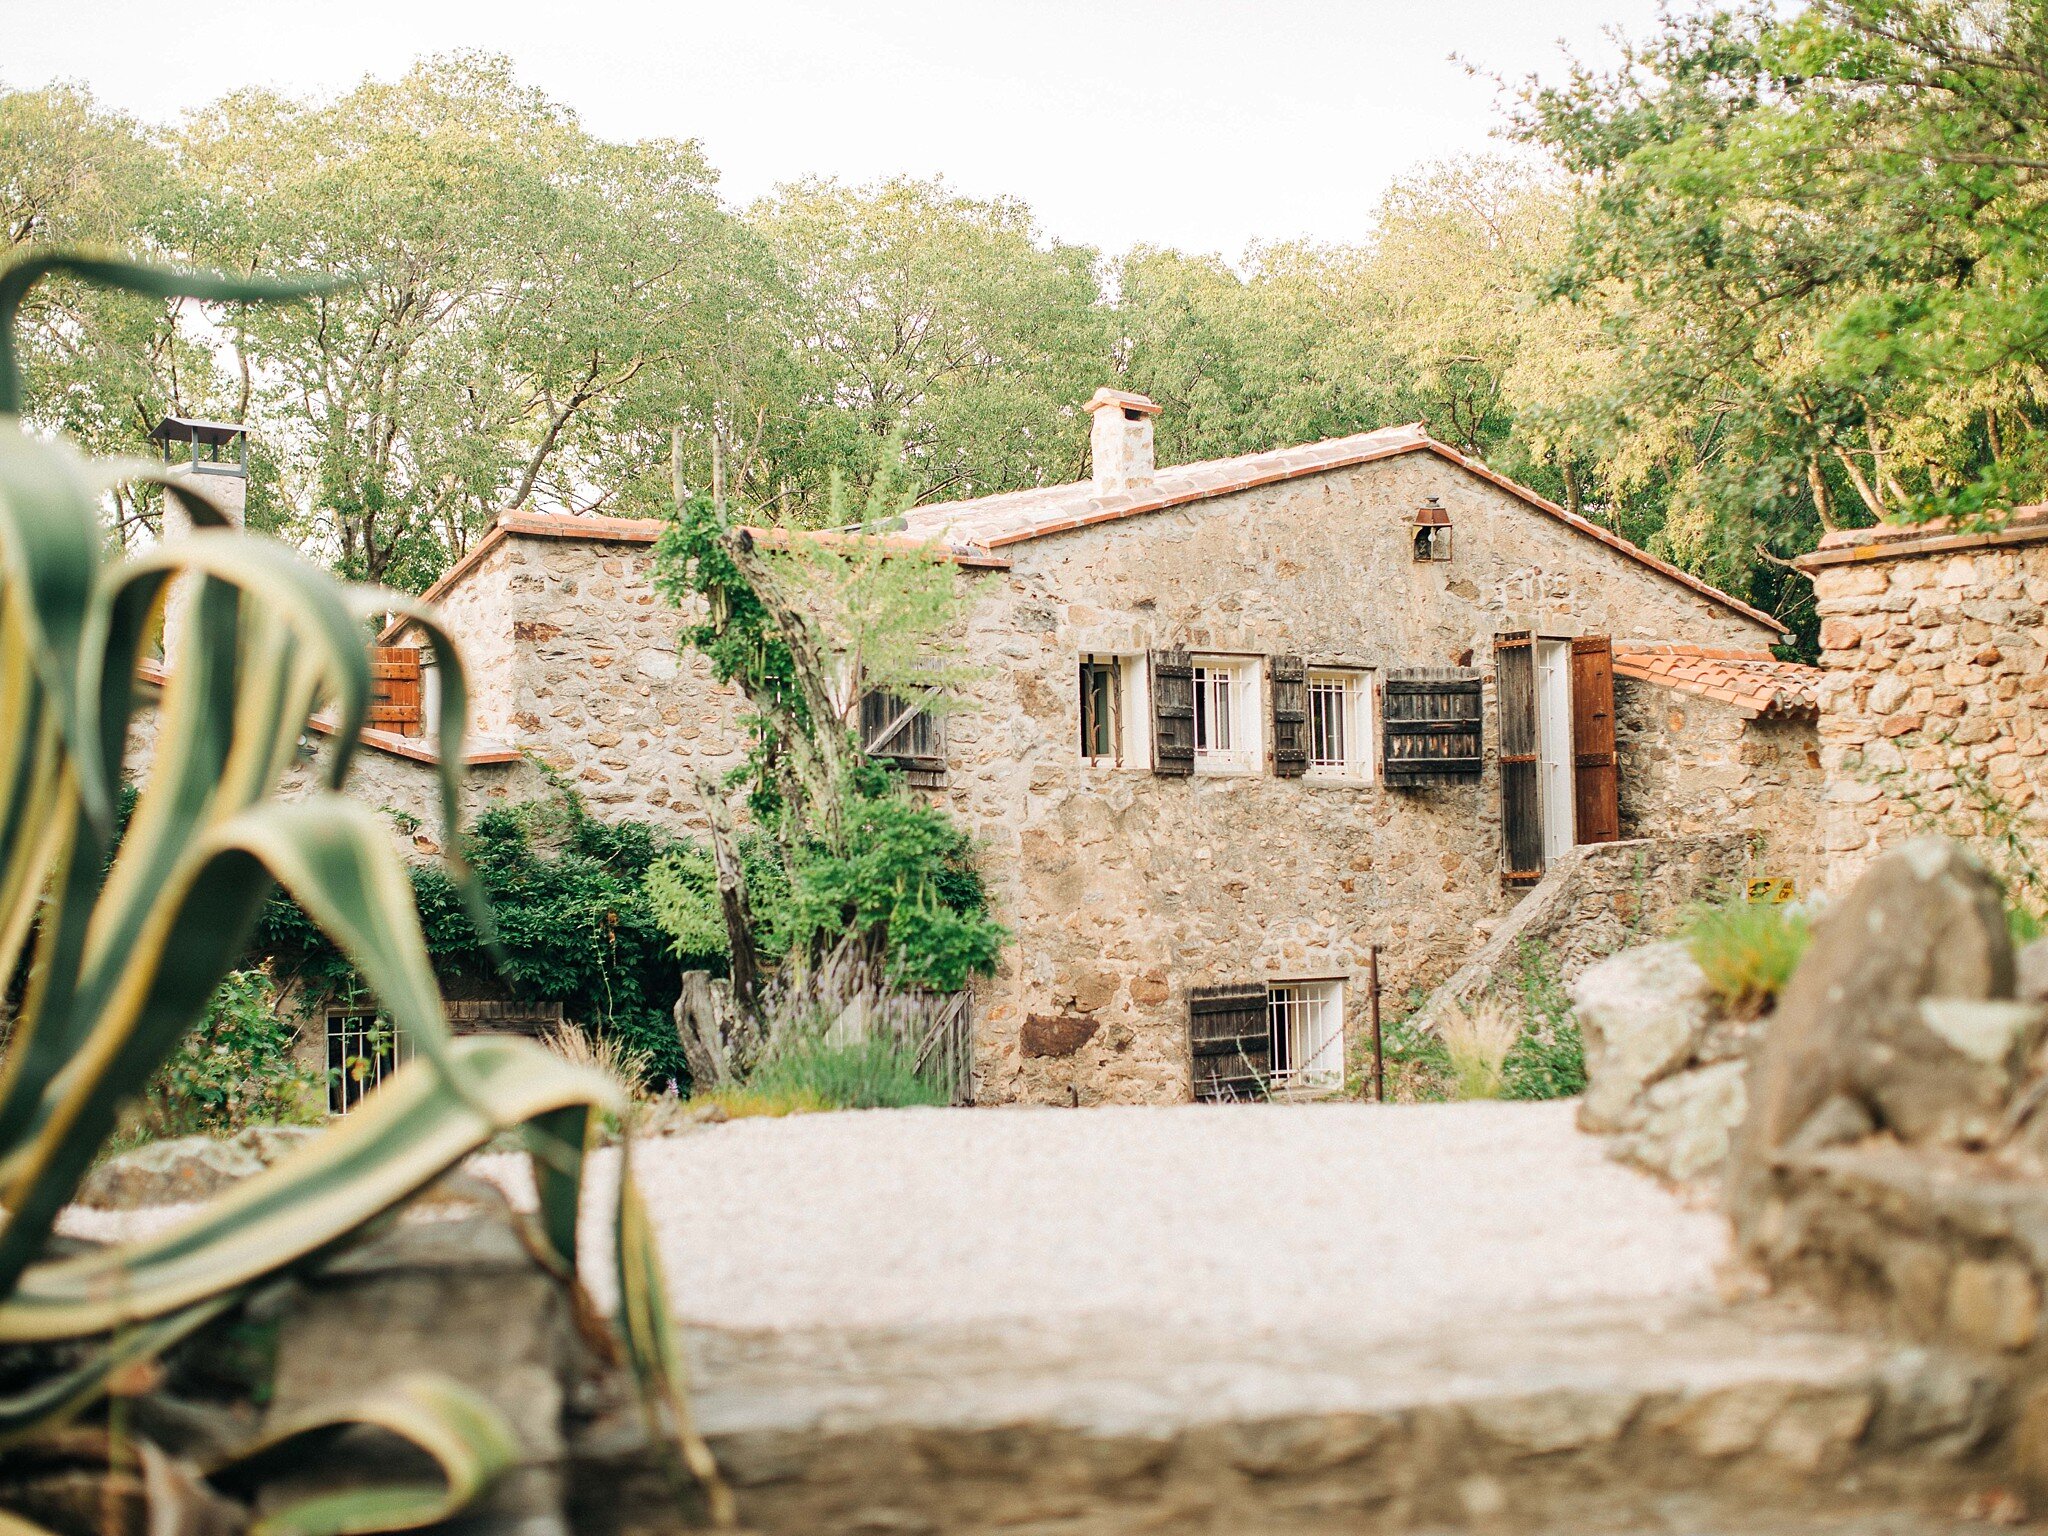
x=123, y=955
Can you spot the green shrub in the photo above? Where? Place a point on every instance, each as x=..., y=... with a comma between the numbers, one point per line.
x=568, y=892
x=877, y=1073
x=1549, y=1059
x=1748, y=950
x=235, y=1069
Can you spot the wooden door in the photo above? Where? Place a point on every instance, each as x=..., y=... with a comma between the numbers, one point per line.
x=1521, y=808
x=1596, y=771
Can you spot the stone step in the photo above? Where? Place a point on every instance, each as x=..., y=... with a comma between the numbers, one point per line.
x=1674, y=1418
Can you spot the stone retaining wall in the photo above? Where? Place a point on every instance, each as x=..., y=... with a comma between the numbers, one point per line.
x=1937, y=668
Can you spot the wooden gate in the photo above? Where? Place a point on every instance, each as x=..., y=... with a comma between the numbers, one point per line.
x=1231, y=1040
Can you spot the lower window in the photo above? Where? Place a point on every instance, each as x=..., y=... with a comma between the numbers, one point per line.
x=1306, y=1020
x=362, y=1050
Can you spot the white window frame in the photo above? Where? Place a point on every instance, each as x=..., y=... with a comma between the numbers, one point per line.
x=1237, y=680
x=1355, y=689
x=1307, y=1023
x=1119, y=705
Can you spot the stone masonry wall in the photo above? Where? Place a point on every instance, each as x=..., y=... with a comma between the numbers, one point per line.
x=1125, y=890
x=1692, y=765
x=578, y=657
x=1936, y=662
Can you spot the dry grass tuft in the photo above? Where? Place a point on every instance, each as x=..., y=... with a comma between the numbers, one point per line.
x=1477, y=1037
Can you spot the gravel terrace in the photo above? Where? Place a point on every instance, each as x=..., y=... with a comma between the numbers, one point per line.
x=1322, y=1220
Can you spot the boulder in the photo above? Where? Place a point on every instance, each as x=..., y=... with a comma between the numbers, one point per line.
x=1687, y=1122
x=1904, y=1008
x=1642, y=1015
x=187, y=1168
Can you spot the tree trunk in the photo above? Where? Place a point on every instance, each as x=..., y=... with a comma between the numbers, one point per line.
x=732, y=900
x=702, y=1030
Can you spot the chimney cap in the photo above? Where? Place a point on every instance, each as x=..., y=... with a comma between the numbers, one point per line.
x=189, y=429
x=1123, y=398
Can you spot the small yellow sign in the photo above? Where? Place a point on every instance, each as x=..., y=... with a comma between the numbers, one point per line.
x=1772, y=888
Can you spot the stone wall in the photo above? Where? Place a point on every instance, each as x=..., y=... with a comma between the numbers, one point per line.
x=1693, y=765
x=1126, y=890
x=576, y=656
x=1937, y=663
x=1594, y=901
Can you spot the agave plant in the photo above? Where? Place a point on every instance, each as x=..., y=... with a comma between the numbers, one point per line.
x=122, y=946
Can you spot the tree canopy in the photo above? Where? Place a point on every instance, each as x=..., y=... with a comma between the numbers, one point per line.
x=1773, y=273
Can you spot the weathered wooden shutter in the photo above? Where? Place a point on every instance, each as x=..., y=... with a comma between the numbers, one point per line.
x=1231, y=1041
x=1290, y=716
x=1521, y=814
x=395, y=689
x=1596, y=773
x=1173, y=713
x=1431, y=730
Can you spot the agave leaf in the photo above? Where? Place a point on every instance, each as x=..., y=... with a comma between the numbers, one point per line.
x=50, y=571
x=337, y=859
x=468, y=1438
x=412, y=1129
x=48, y=1404
x=205, y=512
x=653, y=1350
x=450, y=725
x=107, y=269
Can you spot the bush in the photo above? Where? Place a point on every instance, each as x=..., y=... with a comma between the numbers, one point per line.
x=574, y=918
x=877, y=1073
x=1549, y=1060
x=234, y=1070
x=1748, y=950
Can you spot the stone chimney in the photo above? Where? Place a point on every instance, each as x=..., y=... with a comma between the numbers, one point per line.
x=1121, y=441
x=216, y=455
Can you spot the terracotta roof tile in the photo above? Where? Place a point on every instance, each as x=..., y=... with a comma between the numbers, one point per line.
x=1755, y=682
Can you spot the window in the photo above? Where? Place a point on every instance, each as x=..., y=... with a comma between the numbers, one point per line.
x=1339, y=725
x=1226, y=716
x=1306, y=1021
x=1102, y=710
x=895, y=728
x=362, y=1050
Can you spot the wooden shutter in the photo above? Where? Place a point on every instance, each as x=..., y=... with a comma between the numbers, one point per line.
x=1290, y=716
x=1596, y=774
x=1521, y=816
x=395, y=689
x=1173, y=714
x=1431, y=729
x=1231, y=1041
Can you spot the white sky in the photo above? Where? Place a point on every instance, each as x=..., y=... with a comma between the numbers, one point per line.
x=1196, y=123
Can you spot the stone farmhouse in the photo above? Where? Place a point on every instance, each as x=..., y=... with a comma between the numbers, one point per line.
x=1248, y=730
x=1254, y=737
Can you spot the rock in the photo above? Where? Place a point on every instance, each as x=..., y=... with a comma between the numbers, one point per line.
x=1688, y=1123
x=168, y=1173
x=2030, y=972
x=1926, y=922
x=1055, y=1034
x=187, y=1168
x=1642, y=1013
x=1993, y=1304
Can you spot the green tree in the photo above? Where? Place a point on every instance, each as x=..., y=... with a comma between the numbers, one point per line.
x=946, y=325
x=518, y=290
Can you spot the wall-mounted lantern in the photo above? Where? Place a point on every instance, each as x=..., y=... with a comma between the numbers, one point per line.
x=1432, y=526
